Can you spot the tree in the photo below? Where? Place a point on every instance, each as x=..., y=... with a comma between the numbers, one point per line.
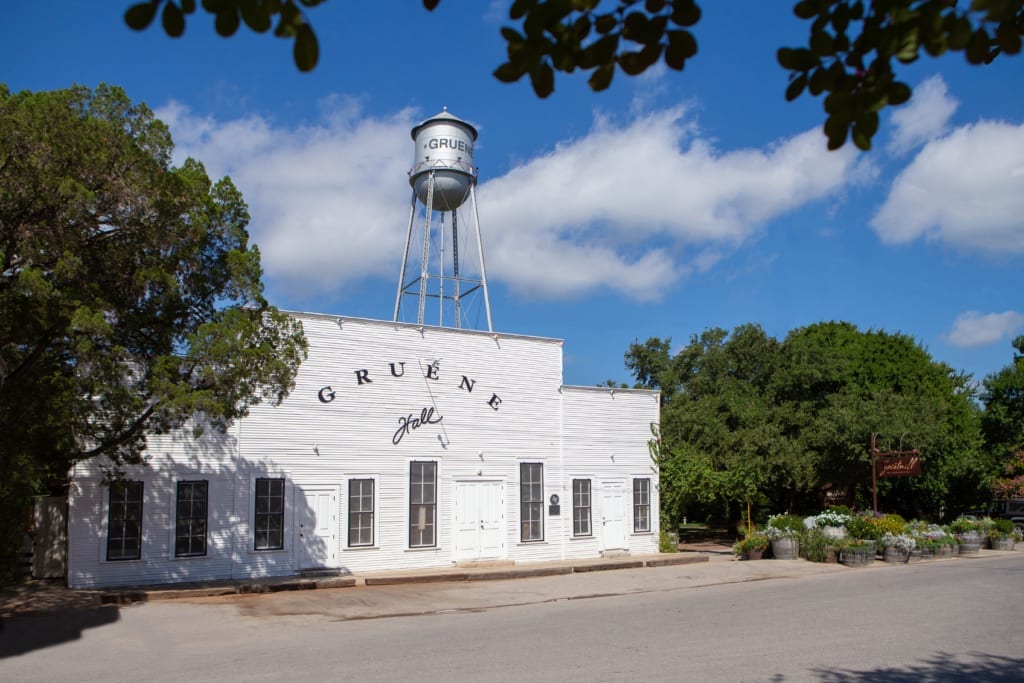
x=130, y=299
x=1003, y=396
x=852, y=51
x=753, y=419
x=1003, y=423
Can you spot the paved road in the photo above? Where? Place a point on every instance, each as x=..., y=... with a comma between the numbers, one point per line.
x=771, y=620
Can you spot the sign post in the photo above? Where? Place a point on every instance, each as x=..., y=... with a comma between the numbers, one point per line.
x=891, y=464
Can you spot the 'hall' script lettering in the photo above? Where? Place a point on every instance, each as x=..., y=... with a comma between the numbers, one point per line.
x=410, y=423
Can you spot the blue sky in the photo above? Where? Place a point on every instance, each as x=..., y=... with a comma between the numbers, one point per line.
x=666, y=205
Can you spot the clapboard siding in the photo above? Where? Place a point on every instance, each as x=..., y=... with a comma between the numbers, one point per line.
x=490, y=402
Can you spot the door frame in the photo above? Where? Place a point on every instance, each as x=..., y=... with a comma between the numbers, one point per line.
x=334, y=525
x=623, y=540
x=502, y=523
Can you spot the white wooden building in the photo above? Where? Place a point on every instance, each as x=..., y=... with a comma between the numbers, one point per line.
x=401, y=447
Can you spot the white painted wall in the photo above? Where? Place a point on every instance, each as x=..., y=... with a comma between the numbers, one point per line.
x=496, y=401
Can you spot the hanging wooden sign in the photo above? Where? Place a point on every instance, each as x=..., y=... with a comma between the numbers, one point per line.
x=898, y=465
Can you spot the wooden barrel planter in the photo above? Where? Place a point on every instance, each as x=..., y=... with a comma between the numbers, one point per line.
x=857, y=557
x=894, y=555
x=1002, y=543
x=970, y=546
x=785, y=548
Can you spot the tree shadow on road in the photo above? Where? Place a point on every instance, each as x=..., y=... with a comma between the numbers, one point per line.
x=40, y=614
x=978, y=667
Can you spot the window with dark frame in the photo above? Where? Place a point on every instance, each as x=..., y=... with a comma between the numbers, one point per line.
x=124, y=521
x=531, y=501
x=190, y=519
x=360, y=512
x=422, y=504
x=268, y=525
x=641, y=505
x=581, y=507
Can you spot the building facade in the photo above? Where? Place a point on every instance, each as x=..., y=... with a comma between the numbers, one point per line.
x=400, y=447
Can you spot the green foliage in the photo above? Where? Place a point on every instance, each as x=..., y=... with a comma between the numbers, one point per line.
x=753, y=542
x=1003, y=424
x=854, y=48
x=292, y=22
x=666, y=543
x=130, y=297
x=963, y=525
x=815, y=546
x=889, y=524
x=864, y=527
x=1001, y=528
x=851, y=56
x=749, y=419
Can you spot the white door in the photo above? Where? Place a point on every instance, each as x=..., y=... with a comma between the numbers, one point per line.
x=479, y=520
x=317, y=535
x=613, y=516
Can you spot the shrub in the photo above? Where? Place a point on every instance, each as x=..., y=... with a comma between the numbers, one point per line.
x=864, y=527
x=666, y=544
x=815, y=545
x=963, y=525
x=753, y=542
x=784, y=526
x=889, y=524
x=1001, y=528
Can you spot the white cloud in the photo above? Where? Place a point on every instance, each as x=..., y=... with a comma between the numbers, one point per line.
x=620, y=189
x=326, y=207
x=629, y=208
x=924, y=118
x=975, y=328
x=966, y=190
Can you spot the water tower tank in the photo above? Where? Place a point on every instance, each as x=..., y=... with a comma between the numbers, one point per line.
x=444, y=145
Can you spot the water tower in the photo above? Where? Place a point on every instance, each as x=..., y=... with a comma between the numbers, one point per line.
x=443, y=178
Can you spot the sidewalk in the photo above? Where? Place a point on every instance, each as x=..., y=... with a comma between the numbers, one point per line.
x=397, y=593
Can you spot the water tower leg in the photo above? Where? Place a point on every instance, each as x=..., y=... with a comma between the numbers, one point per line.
x=426, y=248
x=405, y=256
x=480, y=248
x=455, y=270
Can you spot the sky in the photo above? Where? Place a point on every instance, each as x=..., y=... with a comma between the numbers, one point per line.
x=666, y=205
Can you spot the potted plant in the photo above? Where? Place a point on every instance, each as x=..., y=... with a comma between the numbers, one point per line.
x=1003, y=534
x=784, y=532
x=897, y=547
x=832, y=522
x=967, y=534
x=856, y=552
x=751, y=547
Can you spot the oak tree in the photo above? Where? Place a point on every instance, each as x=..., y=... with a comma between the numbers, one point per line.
x=130, y=297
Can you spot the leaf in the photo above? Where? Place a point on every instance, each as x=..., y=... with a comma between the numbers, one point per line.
x=173, y=20
x=686, y=13
x=430, y=5
x=806, y=9
x=898, y=93
x=836, y=129
x=602, y=77
x=977, y=47
x=509, y=72
x=226, y=22
x=188, y=6
x=255, y=15
x=140, y=16
x=306, y=50
x=681, y=46
x=542, y=78
x=796, y=87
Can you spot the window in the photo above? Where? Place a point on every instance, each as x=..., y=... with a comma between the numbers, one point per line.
x=531, y=501
x=124, y=521
x=190, y=519
x=268, y=525
x=360, y=512
x=422, y=504
x=641, y=505
x=581, y=507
